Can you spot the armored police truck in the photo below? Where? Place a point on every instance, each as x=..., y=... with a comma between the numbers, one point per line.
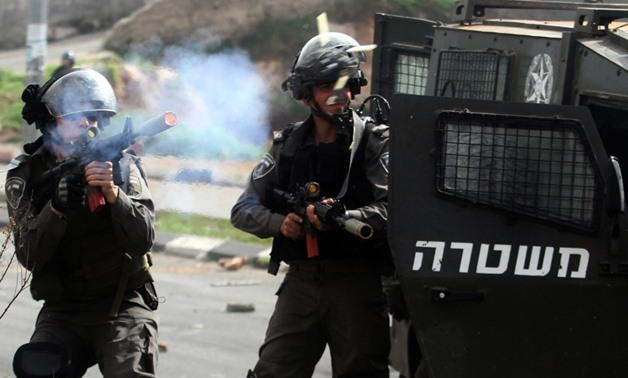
x=509, y=136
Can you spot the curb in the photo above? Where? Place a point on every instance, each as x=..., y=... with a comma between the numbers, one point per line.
x=191, y=246
x=206, y=249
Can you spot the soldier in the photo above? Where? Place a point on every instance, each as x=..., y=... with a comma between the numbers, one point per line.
x=334, y=298
x=91, y=269
x=67, y=63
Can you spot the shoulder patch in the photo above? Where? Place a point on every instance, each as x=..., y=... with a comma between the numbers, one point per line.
x=263, y=167
x=14, y=189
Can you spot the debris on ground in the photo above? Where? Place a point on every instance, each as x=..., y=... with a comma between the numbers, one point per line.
x=234, y=283
x=240, y=307
x=233, y=263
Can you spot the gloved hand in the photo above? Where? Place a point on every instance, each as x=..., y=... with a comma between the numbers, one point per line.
x=70, y=193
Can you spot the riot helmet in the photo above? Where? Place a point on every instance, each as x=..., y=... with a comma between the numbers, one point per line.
x=80, y=91
x=324, y=59
x=76, y=91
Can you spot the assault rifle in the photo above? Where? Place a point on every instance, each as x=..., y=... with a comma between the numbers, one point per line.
x=333, y=216
x=92, y=148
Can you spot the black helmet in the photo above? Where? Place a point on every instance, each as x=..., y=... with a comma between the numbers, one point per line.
x=324, y=59
x=68, y=55
x=76, y=91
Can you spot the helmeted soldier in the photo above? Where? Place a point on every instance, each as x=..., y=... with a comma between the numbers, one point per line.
x=90, y=267
x=333, y=296
x=68, y=60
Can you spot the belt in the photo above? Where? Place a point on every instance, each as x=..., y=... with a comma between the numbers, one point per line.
x=331, y=267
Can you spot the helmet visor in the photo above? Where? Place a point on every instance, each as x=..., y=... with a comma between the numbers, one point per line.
x=81, y=91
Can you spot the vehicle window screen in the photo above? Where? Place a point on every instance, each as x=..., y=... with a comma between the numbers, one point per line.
x=537, y=167
x=411, y=73
x=472, y=74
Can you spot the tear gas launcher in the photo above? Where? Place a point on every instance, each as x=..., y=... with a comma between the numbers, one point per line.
x=333, y=215
x=91, y=147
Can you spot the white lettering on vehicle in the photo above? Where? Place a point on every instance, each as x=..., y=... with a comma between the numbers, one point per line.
x=535, y=261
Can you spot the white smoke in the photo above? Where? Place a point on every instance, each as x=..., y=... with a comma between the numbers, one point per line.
x=221, y=102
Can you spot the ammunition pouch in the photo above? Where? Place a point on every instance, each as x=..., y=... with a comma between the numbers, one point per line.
x=135, y=272
x=149, y=295
x=115, y=276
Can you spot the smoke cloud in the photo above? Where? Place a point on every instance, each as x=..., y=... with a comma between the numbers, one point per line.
x=220, y=99
x=221, y=102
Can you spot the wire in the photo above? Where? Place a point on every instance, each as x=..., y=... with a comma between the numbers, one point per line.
x=380, y=116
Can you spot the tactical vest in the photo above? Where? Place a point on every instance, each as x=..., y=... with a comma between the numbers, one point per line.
x=297, y=166
x=89, y=263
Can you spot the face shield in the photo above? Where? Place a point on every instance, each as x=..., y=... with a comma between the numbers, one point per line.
x=83, y=91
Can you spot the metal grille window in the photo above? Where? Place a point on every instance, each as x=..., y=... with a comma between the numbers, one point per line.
x=472, y=74
x=536, y=167
x=411, y=74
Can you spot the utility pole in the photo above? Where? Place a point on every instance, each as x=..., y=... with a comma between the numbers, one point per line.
x=36, y=38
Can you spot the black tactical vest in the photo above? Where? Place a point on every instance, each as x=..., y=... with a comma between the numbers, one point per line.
x=326, y=164
x=89, y=263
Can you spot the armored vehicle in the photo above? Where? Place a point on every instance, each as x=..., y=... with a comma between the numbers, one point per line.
x=509, y=135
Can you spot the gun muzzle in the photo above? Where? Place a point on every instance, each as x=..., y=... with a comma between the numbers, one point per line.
x=158, y=124
x=358, y=228
x=92, y=131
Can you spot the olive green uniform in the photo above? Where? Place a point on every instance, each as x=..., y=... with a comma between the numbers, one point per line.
x=336, y=298
x=91, y=269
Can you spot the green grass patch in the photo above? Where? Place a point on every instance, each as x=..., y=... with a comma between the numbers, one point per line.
x=11, y=87
x=199, y=225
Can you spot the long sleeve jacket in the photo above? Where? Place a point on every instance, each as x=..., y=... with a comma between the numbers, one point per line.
x=80, y=246
x=252, y=214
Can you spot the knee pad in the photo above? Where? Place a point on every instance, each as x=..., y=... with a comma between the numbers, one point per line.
x=40, y=360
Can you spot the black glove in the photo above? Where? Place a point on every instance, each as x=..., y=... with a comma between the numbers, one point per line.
x=69, y=194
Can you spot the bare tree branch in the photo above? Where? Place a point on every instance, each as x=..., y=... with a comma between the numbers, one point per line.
x=22, y=274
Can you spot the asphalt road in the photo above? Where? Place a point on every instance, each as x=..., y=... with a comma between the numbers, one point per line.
x=15, y=60
x=202, y=339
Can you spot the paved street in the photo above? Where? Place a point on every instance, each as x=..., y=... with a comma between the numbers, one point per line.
x=16, y=59
x=201, y=337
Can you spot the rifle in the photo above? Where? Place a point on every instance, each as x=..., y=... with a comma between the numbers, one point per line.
x=92, y=148
x=333, y=216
